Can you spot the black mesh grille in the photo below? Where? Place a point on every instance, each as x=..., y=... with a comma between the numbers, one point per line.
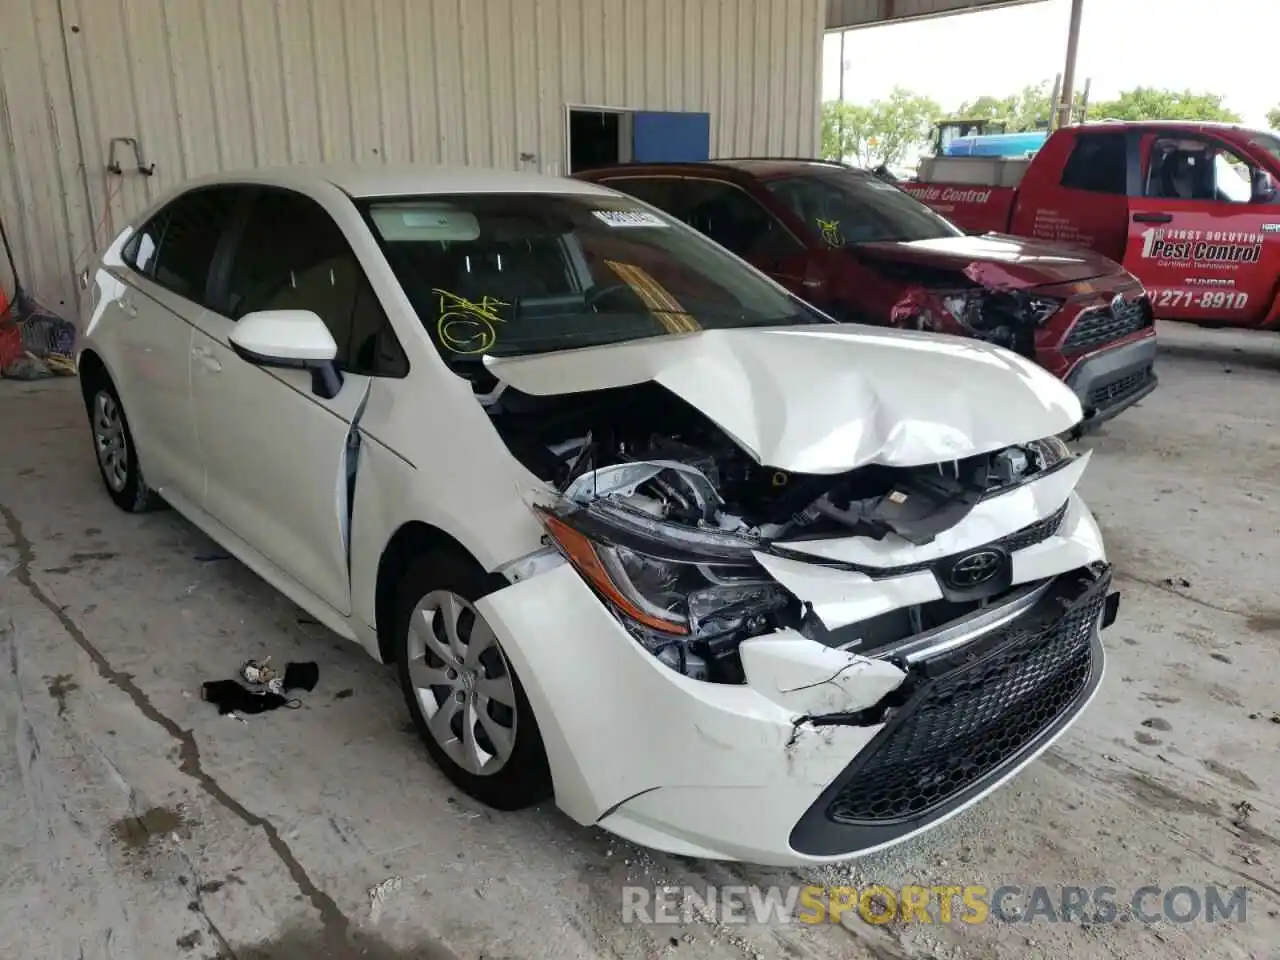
x=1097, y=328
x=1038, y=532
x=1114, y=392
x=968, y=722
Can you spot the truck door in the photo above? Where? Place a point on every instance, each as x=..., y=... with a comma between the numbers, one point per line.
x=1203, y=241
x=1075, y=191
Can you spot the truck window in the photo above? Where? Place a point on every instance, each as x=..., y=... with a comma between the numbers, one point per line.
x=1187, y=169
x=1097, y=164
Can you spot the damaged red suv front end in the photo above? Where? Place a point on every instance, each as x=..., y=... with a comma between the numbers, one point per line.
x=866, y=251
x=1077, y=314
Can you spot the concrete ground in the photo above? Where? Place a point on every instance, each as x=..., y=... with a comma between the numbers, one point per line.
x=136, y=823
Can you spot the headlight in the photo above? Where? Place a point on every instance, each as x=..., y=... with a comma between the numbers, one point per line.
x=690, y=607
x=965, y=308
x=985, y=310
x=1049, y=452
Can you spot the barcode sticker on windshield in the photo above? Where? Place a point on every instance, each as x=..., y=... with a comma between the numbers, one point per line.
x=628, y=218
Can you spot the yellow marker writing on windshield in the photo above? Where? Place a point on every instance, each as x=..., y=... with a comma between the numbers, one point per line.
x=466, y=326
x=831, y=232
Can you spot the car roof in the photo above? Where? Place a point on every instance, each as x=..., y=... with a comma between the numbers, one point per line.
x=760, y=167
x=398, y=180
x=1208, y=126
x=772, y=166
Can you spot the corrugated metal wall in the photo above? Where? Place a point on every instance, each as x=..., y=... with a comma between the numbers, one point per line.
x=208, y=85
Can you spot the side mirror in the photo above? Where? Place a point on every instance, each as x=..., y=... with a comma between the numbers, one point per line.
x=292, y=339
x=1264, y=187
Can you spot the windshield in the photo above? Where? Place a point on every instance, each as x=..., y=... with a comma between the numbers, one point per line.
x=848, y=207
x=513, y=274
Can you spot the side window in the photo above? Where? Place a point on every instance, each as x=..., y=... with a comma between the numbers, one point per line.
x=1198, y=170
x=733, y=219
x=292, y=256
x=194, y=224
x=140, y=251
x=1097, y=164
x=657, y=191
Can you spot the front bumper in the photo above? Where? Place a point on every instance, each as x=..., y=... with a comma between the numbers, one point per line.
x=737, y=772
x=977, y=715
x=1111, y=381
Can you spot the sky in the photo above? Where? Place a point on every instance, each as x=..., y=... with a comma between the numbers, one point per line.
x=1217, y=46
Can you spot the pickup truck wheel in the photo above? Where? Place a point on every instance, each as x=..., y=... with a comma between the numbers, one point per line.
x=466, y=701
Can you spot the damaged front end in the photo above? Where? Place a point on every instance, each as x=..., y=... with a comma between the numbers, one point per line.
x=681, y=536
x=814, y=540
x=1008, y=318
x=982, y=698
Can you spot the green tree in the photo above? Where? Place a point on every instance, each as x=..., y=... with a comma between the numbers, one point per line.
x=1273, y=118
x=844, y=127
x=1029, y=110
x=1150, y=103
x=883, y=131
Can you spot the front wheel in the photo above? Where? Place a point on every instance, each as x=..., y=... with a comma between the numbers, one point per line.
x=115, y=450
x=466, y=701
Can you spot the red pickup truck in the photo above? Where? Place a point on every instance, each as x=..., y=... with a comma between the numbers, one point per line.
x=1191, y=209
x=864, y=251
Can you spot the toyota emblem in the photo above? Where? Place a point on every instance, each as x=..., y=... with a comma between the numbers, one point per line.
x=975, y=569
x=1118, y=303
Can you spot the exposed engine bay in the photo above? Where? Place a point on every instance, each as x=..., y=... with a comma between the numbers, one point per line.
x=648, y=449
x=663, y=512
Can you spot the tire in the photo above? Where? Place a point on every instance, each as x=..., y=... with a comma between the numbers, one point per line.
x=114, y=449
x=473, y=678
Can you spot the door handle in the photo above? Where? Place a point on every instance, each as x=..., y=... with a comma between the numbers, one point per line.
x=127, y=307
x=1153, y=218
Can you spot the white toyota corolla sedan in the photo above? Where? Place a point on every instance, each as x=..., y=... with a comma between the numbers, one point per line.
x=639, y=529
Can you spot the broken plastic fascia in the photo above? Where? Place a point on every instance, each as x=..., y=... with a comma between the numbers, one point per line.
x=811, y=679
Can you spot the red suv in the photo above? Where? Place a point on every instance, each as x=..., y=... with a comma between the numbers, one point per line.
x=866, y=251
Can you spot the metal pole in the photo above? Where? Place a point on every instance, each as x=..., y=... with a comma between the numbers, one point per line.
x=1069, y=72
x=842, y=64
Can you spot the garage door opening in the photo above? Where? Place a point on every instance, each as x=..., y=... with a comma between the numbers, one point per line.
x=598, y=138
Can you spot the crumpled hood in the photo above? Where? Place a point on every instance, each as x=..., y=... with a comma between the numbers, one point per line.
x=828, y=398
x=997, y=261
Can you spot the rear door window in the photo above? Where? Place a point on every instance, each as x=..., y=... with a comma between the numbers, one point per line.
x=140, y=251
x=1097, y=164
